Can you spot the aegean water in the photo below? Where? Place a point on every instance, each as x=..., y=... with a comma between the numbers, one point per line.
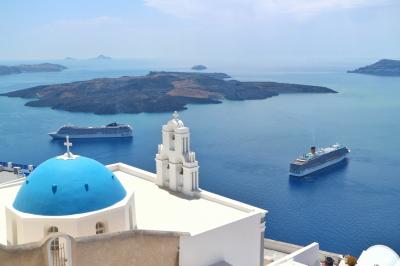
x=244, y=148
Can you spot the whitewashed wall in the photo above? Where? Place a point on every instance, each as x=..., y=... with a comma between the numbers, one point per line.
x=237, y=243
x=308, y=255
x=32, y=228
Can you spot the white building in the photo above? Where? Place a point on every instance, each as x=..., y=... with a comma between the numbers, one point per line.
x=71, y=199
x=379, y=255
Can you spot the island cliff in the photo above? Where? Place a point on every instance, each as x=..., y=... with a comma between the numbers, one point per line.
x=384, y=67
x=45, y=67
x=155, y=92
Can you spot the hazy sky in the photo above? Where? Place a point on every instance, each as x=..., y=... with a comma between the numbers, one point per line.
x=206, y=31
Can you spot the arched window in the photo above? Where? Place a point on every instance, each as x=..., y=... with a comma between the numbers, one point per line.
x=100, y=228
x=52, y=229
x=54, y=244
x=59, y=251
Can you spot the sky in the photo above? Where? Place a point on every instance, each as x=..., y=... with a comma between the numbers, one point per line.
x=202, y=31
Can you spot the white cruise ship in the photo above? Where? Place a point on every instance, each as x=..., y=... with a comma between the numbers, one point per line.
x=317, y=160
x=112, y=130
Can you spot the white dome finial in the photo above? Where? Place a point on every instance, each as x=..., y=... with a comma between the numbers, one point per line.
x=175, y=115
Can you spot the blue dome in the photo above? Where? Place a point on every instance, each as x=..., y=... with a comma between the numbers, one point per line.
x=65, y=187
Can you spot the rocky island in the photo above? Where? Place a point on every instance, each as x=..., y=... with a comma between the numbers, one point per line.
x=45, y=67
x=384, y=67
x=102, y=57
x=199, y=67
x=155, y=92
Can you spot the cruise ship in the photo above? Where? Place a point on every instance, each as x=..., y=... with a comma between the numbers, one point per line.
x=317, y=160
x=112, y=130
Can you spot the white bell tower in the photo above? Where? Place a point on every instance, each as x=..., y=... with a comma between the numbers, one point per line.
x=177, y=168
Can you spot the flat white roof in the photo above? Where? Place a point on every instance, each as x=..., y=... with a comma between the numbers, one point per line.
x=161, y=209
x=6, y=176
x=158, y=208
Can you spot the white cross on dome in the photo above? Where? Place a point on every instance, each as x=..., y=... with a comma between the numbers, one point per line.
x=68, y=155
x=68, y=145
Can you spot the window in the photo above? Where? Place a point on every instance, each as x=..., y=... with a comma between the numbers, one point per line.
x=54, y=244
x=52, y=229
x=100, y=228
x=181, y=172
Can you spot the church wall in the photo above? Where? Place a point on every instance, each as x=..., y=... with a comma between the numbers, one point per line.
x=11, y=224
x=141, y=248
x=115, y=220
x=32, y=230
x=35, y=228
x=32, y=255
x=131, y=248
x=237, y=243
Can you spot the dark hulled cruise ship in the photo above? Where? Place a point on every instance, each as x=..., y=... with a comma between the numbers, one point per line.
x=112, y=130
x=317, y=160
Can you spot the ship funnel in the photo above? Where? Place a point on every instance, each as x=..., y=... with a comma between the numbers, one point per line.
x=312, y=149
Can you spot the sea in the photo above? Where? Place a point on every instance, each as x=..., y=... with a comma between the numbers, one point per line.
x=244, y=147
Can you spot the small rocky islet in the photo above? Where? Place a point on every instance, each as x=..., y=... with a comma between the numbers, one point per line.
x=199, y=67
x=154, y=92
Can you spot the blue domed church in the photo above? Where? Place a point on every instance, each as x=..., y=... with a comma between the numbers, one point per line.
x=72, y=194
x=66, y=186
x=73, y=210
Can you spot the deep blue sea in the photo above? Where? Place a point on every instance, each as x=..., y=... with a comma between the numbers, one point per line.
x=244, y=148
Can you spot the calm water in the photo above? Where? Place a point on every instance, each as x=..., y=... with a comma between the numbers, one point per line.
x=244, y=149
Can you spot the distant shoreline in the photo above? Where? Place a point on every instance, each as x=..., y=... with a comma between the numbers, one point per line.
x=33, y=68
